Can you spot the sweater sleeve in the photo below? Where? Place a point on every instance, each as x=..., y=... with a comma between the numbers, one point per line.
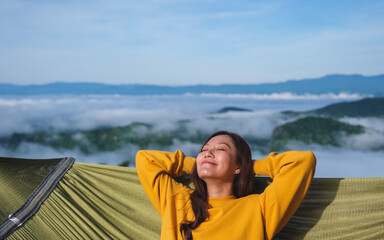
x=156, y=169
x=292, y=173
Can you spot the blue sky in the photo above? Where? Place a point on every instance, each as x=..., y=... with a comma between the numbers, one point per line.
x=183, y=42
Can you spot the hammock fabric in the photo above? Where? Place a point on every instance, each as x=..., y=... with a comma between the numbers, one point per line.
x=59, y=199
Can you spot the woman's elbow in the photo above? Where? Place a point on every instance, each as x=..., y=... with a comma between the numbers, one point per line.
x=140, y=157
x=305, y=159
x=309, y=160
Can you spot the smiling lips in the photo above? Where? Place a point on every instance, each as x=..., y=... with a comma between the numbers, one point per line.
x=208, y=162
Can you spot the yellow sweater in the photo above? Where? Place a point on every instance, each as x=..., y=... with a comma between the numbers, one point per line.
x=257, y=216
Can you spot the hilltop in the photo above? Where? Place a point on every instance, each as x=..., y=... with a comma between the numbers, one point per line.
x=367, y=107
x=312, y=130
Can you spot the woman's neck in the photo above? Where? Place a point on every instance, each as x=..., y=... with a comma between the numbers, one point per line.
x=219, y=189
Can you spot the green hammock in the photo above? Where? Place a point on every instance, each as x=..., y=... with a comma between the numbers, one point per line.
x=59, y=199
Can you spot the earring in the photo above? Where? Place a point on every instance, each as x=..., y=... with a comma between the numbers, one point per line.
x=237, y=171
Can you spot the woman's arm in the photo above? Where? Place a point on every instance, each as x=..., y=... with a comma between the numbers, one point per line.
x=156, y=169
x=292, y=173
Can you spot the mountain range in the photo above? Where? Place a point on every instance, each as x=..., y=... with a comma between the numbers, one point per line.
x=337, y=83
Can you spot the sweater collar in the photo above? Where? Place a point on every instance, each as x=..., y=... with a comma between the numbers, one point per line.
x=218, y=201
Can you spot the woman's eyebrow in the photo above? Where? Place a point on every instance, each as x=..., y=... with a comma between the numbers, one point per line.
x=224, y=144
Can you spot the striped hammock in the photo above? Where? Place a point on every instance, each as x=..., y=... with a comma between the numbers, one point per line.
x=61, y=199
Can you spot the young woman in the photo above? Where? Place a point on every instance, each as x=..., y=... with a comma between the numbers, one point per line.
x=222, y=204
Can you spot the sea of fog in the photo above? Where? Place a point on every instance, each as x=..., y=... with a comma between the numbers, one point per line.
x=26, y=114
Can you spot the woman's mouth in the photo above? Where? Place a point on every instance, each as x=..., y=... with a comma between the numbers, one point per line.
x=208, y=162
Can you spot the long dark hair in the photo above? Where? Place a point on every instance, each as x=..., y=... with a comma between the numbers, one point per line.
x=242, y=184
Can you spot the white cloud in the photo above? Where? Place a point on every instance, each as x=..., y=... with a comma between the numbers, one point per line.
x=369, y=140
x=190, y=149
x=256, y=124
x=287, y=96
x=26, y=114
x=375, y=123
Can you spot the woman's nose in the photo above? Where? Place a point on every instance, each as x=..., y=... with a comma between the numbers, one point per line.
x=208, y=153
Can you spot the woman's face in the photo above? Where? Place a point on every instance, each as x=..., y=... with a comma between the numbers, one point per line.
x=217, y=160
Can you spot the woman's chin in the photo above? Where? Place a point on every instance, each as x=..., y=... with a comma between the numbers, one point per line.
x=205, y=175
x=209, y=176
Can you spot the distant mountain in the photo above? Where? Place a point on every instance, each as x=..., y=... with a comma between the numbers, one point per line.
x=368, y=107
x=372, y=85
